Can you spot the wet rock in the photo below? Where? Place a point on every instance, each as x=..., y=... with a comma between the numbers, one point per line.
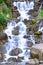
x=18, y=60
x=32, y=62
x=40, y=62
x=1, y=57
x=14, y=8
x=37, y=51
x=27, y=22
x=16, y=51
x=21, y=57
x=3, y=38
x=2, y=49
x=12, y=59
x=25, y=36
x=15, y=59
x=15, y=13
x=36, y=6
x=31, y=13
x=29, y=43
x=15, y=31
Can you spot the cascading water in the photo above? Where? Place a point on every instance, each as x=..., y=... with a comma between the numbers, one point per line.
x=15, y=41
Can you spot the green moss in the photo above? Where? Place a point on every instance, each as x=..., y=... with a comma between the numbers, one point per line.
x=41, y=13
x=5, y=9
x=38, y=33
x=34, y=20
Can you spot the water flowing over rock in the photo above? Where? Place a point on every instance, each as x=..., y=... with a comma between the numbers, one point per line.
x=16, y=48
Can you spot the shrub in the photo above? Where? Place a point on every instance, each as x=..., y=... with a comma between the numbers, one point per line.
x=2, y=19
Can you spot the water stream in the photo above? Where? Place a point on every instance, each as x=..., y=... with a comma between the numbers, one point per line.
x=18, y=41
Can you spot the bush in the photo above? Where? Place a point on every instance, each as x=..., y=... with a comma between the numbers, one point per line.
x=2, y=19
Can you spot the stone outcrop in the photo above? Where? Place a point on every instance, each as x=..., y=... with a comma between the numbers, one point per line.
x=37, y=51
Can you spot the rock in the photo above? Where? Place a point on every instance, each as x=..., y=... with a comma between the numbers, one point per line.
x=37, y=51
x=1, y=57
x=15, y=14
x=31, y=13
x=18, y=60
x=15, y=59
x=32, y=62
x=15, y=31
x=3, y=38
x=25, y=36
x=2, y=49
x=16, y=51
x=21, y=57
x=40, y=62
x=12, y=59
x=29, y=43
x=36, y=0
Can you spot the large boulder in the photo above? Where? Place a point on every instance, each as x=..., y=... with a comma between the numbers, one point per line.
x=3, y=38
x=37, y=51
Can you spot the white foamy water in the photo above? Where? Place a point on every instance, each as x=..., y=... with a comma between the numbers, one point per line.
x=23, y=8
x=15, y=41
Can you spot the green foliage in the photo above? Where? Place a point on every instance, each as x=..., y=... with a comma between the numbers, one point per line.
x=2, y=19
x=5, y=1
x=41, y=13
x=6, y=10
x=1, y=1
x=34, y=20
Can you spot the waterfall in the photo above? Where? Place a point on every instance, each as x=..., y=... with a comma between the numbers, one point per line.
x=15, y=41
